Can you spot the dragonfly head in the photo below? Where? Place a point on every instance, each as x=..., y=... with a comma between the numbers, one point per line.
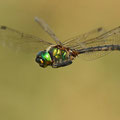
x=43, y=58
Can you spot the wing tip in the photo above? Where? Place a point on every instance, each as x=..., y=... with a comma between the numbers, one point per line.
x=100, y=29
x=3, y=27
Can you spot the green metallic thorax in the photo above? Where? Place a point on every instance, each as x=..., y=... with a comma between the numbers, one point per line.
x=58, y=53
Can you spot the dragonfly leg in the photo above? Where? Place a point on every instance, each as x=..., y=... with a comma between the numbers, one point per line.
x=65, y=63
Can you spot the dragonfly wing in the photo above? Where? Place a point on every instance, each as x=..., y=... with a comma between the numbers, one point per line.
x=107, y=38
x=94, y=55
x=80, y=39
x=111, y=37
x=20, y=41
x=47, y=29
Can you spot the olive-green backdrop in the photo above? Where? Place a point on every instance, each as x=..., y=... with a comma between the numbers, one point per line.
x=85, y=90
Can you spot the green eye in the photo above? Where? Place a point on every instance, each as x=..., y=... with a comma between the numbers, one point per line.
x=43, y=59
x=46, y=56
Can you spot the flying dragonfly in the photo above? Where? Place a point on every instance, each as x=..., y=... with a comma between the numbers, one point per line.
x=91, y=45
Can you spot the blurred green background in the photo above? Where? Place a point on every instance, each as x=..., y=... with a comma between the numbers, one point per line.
x=82, y=91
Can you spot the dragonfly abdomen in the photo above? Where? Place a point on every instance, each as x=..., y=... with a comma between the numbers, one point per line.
x=99, y=48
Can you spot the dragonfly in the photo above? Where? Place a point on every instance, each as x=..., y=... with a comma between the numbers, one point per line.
x=91, y=45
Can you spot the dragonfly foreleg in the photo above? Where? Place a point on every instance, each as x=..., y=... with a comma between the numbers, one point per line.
x=62, y=64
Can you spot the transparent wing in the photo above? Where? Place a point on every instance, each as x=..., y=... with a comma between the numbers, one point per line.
x=20, y=41
x=48, y=30
x=101, y=38
x=80, y=39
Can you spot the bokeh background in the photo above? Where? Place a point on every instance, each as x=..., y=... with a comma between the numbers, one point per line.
x=82, y=91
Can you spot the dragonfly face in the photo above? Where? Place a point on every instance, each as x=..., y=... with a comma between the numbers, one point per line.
x=43, y=58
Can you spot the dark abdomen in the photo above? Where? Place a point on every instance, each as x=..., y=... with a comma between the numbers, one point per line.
x=99, y=48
